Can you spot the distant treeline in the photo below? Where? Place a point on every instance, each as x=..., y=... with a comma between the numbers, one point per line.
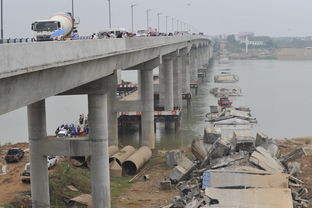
x=236, y=46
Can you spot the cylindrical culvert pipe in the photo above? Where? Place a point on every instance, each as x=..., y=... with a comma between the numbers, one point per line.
x=111, y=151
x=123, y=154
x=137, y=160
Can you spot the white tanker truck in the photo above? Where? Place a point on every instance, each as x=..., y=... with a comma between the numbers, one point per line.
x=58, y=27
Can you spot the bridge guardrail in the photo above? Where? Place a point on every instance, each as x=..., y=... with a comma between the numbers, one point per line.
x=29, y=40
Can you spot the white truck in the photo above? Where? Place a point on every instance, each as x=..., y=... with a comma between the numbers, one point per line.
x=58, y=27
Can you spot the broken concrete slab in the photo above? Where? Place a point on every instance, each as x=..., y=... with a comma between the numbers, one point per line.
x=262, y=140
x=294, y=155
x=262, y=158
x=182, y=170
x=244, y=141
x=82, y=200
x=226, y=179
x=221, y=148
x=236, y=158
x=172, y=157
x=253, y=197
x=211, y=135
x=198, y=149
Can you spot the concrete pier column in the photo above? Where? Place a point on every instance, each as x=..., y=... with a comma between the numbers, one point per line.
x=161, y=85
x=193, y=67
x=168, y=84
x=100, y=181
x=38, y=163
x=112, y=115
x=177, y=81
x=147, y=117
x=186, y=74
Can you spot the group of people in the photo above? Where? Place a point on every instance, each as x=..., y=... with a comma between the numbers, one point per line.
x=72, y=131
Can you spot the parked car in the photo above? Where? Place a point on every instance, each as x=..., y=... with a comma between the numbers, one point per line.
x=25, y=175
x=51, y=161
x=14, y=155
x=63, y=133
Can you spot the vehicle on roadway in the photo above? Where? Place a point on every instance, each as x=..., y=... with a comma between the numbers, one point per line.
x=111, y=33
x=142, y=33
x=58, y=27
x=14, y=155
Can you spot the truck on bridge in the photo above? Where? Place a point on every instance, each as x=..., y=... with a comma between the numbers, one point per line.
x=58, y=27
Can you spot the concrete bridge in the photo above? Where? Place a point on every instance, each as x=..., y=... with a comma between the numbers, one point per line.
x=32, y=72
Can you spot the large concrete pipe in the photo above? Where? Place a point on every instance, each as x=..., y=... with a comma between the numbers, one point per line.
x=137, y=160
x=85, y=160
x=112, y=150
x=123, y=154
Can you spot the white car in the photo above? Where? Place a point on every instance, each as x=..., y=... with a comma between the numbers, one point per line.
x=51, y=161
x=63, y=133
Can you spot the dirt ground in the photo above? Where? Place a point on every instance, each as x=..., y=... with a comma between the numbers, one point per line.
x=10, y=182
x=287, y=145
x=147, y=194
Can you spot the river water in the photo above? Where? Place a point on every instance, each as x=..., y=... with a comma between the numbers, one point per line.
x=278, y=93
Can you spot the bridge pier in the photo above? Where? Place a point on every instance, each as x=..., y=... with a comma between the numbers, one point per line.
x=38, y=163
x=100, y=181
x=147, y=99
x=177, y=82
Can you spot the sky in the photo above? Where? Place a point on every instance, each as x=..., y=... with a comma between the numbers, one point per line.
x=213, y=17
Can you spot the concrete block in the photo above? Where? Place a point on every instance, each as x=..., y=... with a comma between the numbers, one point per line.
x=165, y=185
x=211, y=135
x=181, y=171
x=173, y=157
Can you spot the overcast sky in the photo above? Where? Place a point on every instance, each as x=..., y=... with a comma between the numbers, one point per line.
x=264, y=17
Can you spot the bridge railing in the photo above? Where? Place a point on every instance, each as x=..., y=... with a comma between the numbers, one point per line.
x=29, y=40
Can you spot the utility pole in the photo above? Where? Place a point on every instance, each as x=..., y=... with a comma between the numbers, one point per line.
x=172, y=25
x=1, y=20
x=158, y=14
x=147, y=19
x=109, y=14
x=132, y=5
x=167, y=24
x=177, y=25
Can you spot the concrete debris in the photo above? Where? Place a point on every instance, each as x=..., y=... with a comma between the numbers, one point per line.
x=198, y=149
x=226, y=78
x=165, y=184
x=211, y=134
x=82, y=200
x=173, y=157
x=262, y=158
x=226, y=91
x=72, y=188
x=294, y=155
x=184, y=167
x=238, y=172
x=244, y=141
x=221, y=148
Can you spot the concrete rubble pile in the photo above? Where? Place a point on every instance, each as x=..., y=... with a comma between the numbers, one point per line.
x=226, y=91
x=226, y=77
x=241, y=171
x=230, y=116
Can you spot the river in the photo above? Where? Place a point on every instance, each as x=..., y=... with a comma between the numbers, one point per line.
x=276, y=91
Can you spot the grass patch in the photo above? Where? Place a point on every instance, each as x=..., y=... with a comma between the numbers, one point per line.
x=63, y=175
x=118, y=186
